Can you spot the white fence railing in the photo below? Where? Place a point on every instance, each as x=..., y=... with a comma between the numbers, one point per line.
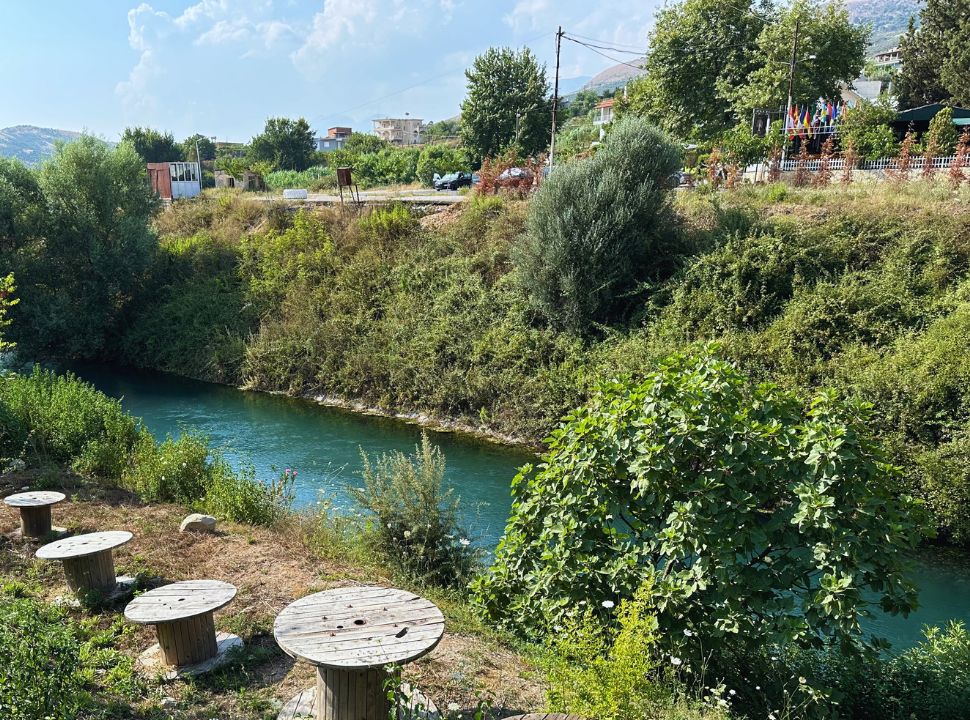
x=916, y=162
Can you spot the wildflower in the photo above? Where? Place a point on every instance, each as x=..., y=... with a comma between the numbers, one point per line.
x=407, y=533
x=295, y=473
x=732, y=692
x=675, y=661
x=465, y=542
x=757, y=687
x=608, y=604
x=688, y=633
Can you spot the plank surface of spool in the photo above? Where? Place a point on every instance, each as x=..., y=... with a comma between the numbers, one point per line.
x=350, y=634
x=88, y=562
x=182, y=615
x=35, y=511
x=545, y=716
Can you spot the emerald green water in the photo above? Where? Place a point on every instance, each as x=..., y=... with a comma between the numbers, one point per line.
x=323, y=445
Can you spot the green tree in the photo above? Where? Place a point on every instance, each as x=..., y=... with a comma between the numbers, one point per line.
x=936, y=59
x=867, y=125
x=441, y=130
x=831, y=51
x=439, y=159
x=206, y=148
x=363, y=144
x=742, y=147
x=22, y=205
x=151, y=145
x=507, y=104
x=7, y=301
x=701, y=52
x=581, y=104
x=759, y=518
x=77, y=280
x=945, y=132
x=285, y=144
x=595, y=227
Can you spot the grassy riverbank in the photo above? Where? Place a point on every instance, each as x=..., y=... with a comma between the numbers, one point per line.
x=864, y=288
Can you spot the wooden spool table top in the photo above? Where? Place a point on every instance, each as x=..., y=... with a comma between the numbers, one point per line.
x=84, y=545
x=179, y=601
x=38, y=498
x=359, y=627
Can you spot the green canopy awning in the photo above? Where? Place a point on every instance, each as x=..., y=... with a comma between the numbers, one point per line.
x=961, y=121
x=928, y=112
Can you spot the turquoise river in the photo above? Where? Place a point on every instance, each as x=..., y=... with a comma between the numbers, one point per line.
x=323, y=444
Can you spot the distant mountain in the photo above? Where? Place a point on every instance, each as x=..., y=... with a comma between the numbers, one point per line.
x=889, y=19
x=31, y=144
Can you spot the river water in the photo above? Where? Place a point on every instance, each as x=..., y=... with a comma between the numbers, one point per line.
x=323, y=445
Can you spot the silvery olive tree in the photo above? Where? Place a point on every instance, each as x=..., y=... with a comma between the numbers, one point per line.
x=757, y=517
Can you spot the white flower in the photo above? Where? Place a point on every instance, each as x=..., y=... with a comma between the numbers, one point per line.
x=465, y=542
x=608, y=604
x=757, y=687
x=675, y=660
x=407, y=533
x=688, y=633
x=732, y=692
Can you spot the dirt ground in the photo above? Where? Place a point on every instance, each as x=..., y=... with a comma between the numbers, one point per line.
x=270, y=568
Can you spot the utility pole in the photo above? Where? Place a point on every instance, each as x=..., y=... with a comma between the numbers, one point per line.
x=555, y=100
x=791, y=84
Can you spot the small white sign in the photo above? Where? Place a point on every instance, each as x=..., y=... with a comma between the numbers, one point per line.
x=294, y=194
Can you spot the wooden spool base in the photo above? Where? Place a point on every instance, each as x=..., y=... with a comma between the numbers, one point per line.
x=152, y=661
x=412, y=705
x=91, y=573
x=123, y=588
x=35, y=522
x=189, y=641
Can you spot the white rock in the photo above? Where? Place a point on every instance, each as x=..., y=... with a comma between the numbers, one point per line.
x=168, y=702
x=197, y=522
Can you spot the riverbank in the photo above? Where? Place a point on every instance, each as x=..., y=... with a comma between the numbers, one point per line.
x=863, y=289
x=271, y=567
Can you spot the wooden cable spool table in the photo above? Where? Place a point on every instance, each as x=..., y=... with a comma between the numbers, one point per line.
x=88, y=561
x=351, y=635
x=182, y=615
x=35, y=511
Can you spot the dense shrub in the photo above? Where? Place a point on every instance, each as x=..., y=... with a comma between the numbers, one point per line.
x=61, y=419
x=595, y=227
x=615, y=672
x=41, y=675
x=415, y=517
x=308, y=179
x=239, y=496
x=175, y=470
x=440, y=159
x=765, y=518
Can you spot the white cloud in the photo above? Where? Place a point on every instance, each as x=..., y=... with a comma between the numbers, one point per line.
x=346, y=24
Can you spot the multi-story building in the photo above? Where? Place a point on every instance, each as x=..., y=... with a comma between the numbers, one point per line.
x=400, y=131
x=335, y=139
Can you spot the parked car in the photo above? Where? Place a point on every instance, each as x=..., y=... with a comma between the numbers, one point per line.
x=453, y=181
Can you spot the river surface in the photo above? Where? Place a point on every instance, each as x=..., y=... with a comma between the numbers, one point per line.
x=323, y=445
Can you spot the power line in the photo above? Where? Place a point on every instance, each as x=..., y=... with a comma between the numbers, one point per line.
x=598, y=52
x=611, y=43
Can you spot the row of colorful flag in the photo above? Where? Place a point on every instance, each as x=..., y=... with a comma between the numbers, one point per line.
x=804, y=122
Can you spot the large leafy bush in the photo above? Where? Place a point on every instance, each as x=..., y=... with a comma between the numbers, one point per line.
x=595, y=227
x=763, y=518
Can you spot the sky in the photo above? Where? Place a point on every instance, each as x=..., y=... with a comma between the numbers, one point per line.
x=221, y=67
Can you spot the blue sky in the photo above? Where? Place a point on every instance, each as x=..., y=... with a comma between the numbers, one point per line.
x=221, y=67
